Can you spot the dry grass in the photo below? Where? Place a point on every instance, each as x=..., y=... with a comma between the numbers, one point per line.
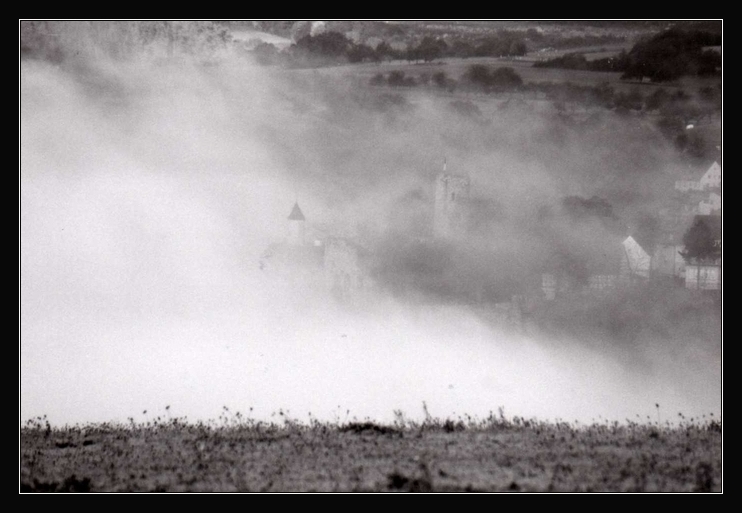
x=496, y=454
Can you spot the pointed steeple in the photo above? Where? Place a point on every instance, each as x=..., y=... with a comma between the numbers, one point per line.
x=296, y=213
x=296, y=222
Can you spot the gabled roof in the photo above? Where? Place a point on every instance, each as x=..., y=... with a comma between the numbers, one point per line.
x=695, y=172
x=296, y=213
x=713, y=167
x=643, y=240
x=631, y=242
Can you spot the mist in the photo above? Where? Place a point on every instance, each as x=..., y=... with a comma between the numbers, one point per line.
x=150, y=190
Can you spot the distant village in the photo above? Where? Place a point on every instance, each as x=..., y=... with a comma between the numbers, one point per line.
x=343, y=263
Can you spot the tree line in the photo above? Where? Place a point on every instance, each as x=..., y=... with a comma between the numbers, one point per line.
x=478, y=77
x=667, y=56
x=335, y=47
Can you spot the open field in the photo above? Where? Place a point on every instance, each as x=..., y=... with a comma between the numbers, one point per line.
x=455, y=68
x=493, y=455
x=590, y=52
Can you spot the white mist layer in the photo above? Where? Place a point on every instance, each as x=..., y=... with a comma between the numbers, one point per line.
x=272, y=353
x=141, y=230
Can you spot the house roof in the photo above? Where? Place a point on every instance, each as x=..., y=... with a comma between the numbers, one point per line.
x=296, y=213
x=715, y=166
x=695, y=173
x=643, y=240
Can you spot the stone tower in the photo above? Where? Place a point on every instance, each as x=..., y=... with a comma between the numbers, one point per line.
x=296, y=226
x=451, y=198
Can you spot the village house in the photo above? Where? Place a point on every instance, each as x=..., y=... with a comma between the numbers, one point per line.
x=667, y=259
x=596, y=268
x=311, y=255
x=700, y=180
x=636, y=262
x=696, y=194
x=294, y=256
x=342, y=263
x=703, y=276
x=682, y=206
x=710, y=206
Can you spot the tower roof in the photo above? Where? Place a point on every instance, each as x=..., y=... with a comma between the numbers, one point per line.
x=296, y=213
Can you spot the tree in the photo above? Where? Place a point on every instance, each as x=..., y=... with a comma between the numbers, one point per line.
x=461, y=49
x=430, y=49
x=377, y=80
x=701, y=243
x=505, y=79
x=396, y=78
x=492, y=46
x=465, y=108
x=330, y=45
x=441, y=79
x=572, y=60
x=266, y=54
x=709, y=63
x=362, y=53
x=672, y=54
x=518, y=47
x=501, y=79
x=478, y=75
x=385, y=52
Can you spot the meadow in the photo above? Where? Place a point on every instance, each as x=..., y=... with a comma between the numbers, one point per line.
x=495, y=454
x=455, y=68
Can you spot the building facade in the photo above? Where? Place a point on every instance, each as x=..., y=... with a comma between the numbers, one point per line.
x=451, y=204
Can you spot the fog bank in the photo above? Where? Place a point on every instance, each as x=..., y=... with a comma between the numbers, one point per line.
x=149, y=192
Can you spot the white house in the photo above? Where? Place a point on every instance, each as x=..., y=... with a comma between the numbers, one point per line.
x=635, y=262
x=710, y=179
x=703, y=276
x=711, y=206
x=310, y=256
x=668, y=260
x=594, y=265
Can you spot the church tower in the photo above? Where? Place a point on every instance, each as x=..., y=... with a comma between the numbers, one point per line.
x=451, y=198
x=296, y=222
